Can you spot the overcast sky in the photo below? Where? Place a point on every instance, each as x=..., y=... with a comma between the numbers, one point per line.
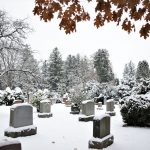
x=46, y=36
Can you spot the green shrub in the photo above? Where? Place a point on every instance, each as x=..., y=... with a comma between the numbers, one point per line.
x=136, y=111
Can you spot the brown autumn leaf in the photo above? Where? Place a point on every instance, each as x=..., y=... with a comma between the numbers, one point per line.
x=147, y=18
x=126, y=25
x=145, y=30
x=98, y=21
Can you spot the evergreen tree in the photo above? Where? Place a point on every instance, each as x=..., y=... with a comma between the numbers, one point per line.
x=103, y=66
x=55, y=70
x=142, y=70
x=129, y=71
x=71, y=71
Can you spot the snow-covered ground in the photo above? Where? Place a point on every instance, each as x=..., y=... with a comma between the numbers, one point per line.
x=63, y=131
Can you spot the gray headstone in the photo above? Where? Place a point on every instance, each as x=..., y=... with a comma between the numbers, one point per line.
x=10, y=145
x=21, y=115
x=45, y=106
x=101, y=126
x=110, y=105
x=30, y=97
x=88, y=108
x=99, y=104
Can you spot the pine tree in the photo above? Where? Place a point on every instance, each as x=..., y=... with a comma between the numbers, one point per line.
x=129, y=71
x=55, y=70
x=71, y=71
x=142, y=70
x=103, y=66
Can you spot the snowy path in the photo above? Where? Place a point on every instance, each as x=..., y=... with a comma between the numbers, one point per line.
x=64, y=132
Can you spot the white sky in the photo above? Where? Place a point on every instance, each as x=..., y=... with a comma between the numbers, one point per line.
x=46, y=36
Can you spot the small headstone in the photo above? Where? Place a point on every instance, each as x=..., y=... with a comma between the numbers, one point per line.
x=30, y=97
x=17, y=101
x=88, y=110
x=100, y=105
x=52, y=100
x=101, y=133
x=45, y=109
x=21, y=121
x=65, y=97
x=110, y=106
x=75, y=109
x=68, y=103
x=10, y=145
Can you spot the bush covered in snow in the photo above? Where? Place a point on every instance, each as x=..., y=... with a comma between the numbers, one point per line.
x=77, y=95
x=136, y=111
x=142, y=87
x=18, y=94
x=8, y=97
x=37, y=97
x=95, y=89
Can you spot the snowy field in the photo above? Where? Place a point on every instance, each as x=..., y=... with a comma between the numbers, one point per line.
x=63, y=131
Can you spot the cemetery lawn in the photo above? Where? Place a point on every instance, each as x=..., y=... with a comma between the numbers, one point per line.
x=63, y=131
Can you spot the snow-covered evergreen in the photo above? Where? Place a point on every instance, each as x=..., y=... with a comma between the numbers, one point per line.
x=55, y=70
x=142, y=70
x=103, y=66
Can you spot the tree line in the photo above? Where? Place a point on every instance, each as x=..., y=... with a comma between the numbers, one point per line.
x=59, y=75
x=19, y=68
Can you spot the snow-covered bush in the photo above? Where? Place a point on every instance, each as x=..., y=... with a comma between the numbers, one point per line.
x=37, y=97
x=126, y=87
x=8, y=97
x=92, y=89
x=77, y=95
x=136, y=110
x=142, y=87
x=1, y=97
x=18, y=94
x=123, y=91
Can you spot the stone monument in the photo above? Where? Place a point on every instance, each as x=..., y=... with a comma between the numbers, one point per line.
x=6, y=144
x=88, y=110
x=110, y=106
x=101, y=133
x=45, y=109
x=21, y=121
